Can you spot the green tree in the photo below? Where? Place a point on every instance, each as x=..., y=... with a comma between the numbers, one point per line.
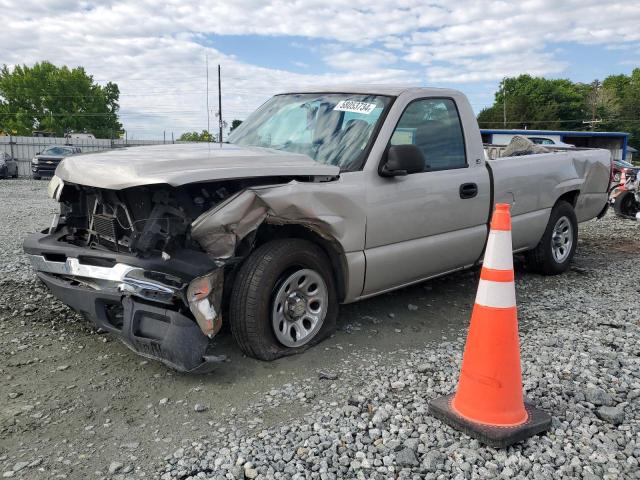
x=534, y=102
x=203, y=136
x=235, y=124
x=537, y=103
x=58, y=100
x=629, y=113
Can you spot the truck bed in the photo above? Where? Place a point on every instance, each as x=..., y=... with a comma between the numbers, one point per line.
x=532, y=183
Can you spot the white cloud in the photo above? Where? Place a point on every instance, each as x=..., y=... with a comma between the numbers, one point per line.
x=154, y=50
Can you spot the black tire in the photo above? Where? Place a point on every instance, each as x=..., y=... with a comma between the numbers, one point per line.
x=541, y=259
x=625, y=205
x=254, y=289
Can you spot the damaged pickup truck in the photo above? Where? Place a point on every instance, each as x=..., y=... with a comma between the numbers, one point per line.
x=319, y=198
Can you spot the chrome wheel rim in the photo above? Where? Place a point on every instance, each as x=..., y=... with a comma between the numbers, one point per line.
x=299, y=307
x=562, y=239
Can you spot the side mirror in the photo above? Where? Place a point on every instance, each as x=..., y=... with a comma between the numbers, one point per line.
x=402, y=160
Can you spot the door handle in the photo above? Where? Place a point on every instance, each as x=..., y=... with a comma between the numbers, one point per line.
x=468, y=190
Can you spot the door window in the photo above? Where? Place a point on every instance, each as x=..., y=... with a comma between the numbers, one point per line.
x=434, y=126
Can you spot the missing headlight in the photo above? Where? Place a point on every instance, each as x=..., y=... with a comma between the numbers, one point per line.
x=205, y=298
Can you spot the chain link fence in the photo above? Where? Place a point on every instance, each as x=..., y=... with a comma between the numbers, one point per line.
x=23, y=149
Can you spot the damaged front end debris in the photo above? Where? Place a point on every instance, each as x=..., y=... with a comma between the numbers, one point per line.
x=148, y=264
x=139, y=305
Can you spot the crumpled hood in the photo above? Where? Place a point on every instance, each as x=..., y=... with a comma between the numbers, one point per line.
x=179, y=164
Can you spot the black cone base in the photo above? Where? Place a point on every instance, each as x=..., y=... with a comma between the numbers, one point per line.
x=498, y=437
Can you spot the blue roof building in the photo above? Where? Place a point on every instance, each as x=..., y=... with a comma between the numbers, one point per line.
x=616, y=142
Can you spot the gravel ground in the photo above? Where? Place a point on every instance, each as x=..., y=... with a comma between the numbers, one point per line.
x=77, y=404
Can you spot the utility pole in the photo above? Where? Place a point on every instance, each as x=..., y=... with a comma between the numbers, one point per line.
x=504, y=106
x=207, y=66
x=594, y=104
x=219, y=105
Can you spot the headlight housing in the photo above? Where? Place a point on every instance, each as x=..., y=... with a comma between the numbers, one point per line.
x=54, y=190
x=35, y=161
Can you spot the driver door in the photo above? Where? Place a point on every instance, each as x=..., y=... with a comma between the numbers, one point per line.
x=431, y=222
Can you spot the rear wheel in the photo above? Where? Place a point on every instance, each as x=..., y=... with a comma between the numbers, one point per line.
x=625, y=205
x=555, y=251
x=283, y=299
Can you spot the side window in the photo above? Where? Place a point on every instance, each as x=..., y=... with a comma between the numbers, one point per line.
x=434, y=126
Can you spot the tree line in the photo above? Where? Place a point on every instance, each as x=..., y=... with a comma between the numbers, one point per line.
x=205, y=135
x=57, y=100
x=612, y=104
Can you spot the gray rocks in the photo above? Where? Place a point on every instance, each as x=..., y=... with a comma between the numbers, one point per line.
x=597, y=396
x=327, y=375
x=380, y=416
x=20, y=465
x=250, y=473
x=434, y=460
x=115, y=467
x=407, y=458
x=613, y=415
x=579, y=360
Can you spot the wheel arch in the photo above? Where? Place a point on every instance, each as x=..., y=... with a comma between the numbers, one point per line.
x=332, y=248
x=571, y=197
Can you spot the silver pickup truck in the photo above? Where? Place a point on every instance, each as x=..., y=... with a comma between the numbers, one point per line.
x=319, y=198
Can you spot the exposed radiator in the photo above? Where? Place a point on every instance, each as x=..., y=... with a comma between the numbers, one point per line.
x=104, y=226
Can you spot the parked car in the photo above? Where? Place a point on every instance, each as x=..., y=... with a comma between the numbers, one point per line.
x=321, y=197
x=79, y=136
x=550, y=142
x=44, y=164
x=8, y=166
x=619, y=166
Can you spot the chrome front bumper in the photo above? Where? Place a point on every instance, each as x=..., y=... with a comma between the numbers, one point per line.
x=120, y=278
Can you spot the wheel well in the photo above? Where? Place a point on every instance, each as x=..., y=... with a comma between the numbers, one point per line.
x=334, y=251
x=569, y=197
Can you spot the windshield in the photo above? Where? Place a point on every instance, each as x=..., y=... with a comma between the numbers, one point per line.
x=334, y=129
x=57, y=151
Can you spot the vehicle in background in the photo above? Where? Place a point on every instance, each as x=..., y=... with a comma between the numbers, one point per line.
x=8, y=166
x=616, y=142
x=620, y=166
x=44, y=164
x=79, y=136
x=550, y=141
x=320, y=197
x=43, y=133
x=626, y=198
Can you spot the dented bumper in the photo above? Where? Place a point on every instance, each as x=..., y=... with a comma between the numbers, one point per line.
x=144, y=301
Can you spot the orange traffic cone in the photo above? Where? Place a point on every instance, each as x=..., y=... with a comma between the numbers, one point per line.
x=488, y=404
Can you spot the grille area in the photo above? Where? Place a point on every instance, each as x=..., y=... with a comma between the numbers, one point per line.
x=105, y=226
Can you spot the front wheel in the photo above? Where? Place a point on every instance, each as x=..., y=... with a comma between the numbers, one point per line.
x=555, y=251
x=283, y=299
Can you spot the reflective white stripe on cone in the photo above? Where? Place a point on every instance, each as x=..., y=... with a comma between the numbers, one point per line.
x=498, y=254
x=496, y=294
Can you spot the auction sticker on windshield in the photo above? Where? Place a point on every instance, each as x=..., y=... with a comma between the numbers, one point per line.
x=353, y=106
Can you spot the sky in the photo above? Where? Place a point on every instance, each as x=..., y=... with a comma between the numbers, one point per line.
x=155, y=51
